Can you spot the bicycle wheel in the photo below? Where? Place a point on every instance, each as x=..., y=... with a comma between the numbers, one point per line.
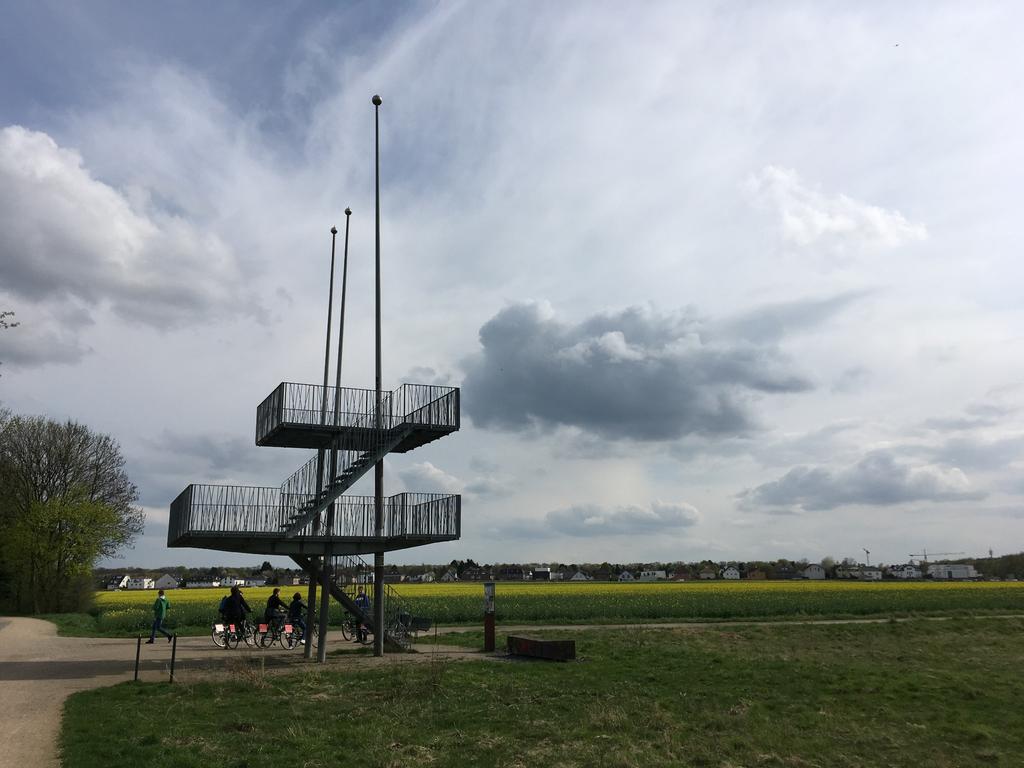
x=267, y=638
x=347, y=630
x=231, y=639
x=285, y=639
x=249, y=634
x=217, y=635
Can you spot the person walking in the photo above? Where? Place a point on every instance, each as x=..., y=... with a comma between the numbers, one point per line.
x=160, y=607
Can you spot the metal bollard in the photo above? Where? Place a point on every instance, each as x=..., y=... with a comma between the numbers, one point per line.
x=489, y=616
x=174, y=652
x=138, y=650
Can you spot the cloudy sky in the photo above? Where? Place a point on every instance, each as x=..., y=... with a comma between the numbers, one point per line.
x=718, y=280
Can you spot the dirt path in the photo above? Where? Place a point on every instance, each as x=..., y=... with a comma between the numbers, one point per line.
x=39, y=670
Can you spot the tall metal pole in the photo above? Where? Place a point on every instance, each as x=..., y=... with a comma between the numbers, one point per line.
x=311, y=594
x=378, y=470
x=327, y=572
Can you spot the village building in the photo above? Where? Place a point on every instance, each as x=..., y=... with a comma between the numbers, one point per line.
x=579, y=576
x=952, y=571
x=118, y=582
x=653, y=576
x=730, y=572
x=906, y=571
x=139, y=582
x=708, y=573
x=814, y=571
x=167, y=582
x=626, y=576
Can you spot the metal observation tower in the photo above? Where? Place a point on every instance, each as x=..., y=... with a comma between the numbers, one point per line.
x=308, y=517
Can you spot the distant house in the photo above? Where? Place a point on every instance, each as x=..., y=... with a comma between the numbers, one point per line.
x=393, y=578
x=558, y=575
x=167, y=582
x=681, y=575
x=427, y=577
x=542, y=574
x=449, y=576
x=475, y=574
x=652, y=576
x=604, y=575
x=708, y=573
x=906, y=571
x=870, y=574
x=787, y=572
x=730, y=572
x=757, y=575
x=626, y=576
x=814, y=571
x=512, y=573
x=202, y=584
x=848, y=572
x=118, y=582
x=947, y=571
x=139, y=582
x=579, y=576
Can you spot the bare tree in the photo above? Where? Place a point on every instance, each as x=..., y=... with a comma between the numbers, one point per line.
x=65, y=501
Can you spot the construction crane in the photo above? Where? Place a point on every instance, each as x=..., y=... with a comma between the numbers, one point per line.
x=867, y=554
x=923, y=558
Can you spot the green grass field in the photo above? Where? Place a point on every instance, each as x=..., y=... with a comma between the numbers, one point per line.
x=943, y=694
x=125, y=613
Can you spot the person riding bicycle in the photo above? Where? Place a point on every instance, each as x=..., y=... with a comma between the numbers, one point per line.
x=362, y=602
x=236, y=609
x=276, y=609
x=296, y=612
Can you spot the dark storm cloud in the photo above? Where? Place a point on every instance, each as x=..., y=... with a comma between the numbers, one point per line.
x=878, y=479
x=631, y=374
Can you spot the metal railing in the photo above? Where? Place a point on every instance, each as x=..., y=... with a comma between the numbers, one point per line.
x=352, y=572
x=421, y=405
x=234, y=509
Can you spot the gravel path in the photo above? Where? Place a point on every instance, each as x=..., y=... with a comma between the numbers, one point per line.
x=39, y=670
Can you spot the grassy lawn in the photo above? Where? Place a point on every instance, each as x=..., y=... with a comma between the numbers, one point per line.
x=940, y=694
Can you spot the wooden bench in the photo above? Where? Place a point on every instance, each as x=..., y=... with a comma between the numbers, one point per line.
x=534, y=647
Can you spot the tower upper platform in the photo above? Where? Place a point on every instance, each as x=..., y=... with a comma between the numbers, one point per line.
x=314, y=416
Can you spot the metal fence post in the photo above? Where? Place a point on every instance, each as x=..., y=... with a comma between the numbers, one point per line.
x=138, y=650
x=174, y=653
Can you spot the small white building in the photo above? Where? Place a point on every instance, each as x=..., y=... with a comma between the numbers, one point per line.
x=708, y=573
x=652, y=576
x=167, y=582
x=139, y=582
x=579, y=576
x=626, y=576
x=557, y=575
x=870, y=574
x=202, y=584
x=949, y=571
x=730, y=572
x=449, y=576
x=907, y=571
x=814, y=571
x=118, y=582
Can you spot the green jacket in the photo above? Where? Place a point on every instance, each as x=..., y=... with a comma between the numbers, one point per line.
x=160, y=607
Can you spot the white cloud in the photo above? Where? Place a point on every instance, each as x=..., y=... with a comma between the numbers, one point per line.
x=807, y=216
x=67, y=236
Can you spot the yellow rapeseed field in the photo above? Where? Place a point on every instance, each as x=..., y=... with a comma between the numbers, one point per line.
x=583, y=602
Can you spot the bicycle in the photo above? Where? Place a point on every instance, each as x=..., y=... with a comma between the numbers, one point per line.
x=225, y=635
x=294, y=636
x=273, y=632
x=350, y=629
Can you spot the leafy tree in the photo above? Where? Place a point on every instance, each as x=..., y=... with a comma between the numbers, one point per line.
x=65, y=502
